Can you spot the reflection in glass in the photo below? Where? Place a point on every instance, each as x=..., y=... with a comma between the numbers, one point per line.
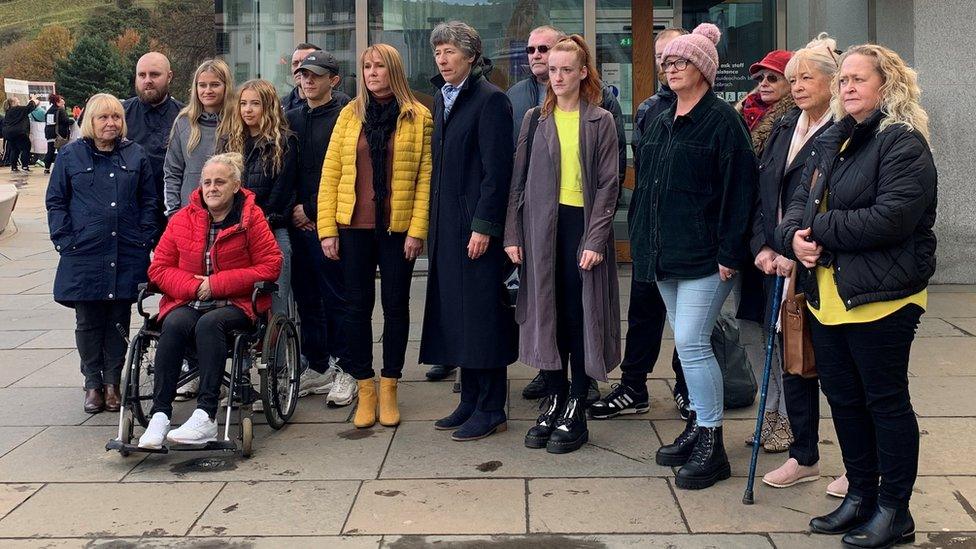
x=244, y=24
x=331, y=26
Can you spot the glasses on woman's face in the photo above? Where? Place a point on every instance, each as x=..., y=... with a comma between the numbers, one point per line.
x=677, y=64
x=531, y=49
x=770, y=77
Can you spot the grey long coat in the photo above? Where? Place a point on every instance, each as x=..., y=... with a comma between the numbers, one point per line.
x=531, y=224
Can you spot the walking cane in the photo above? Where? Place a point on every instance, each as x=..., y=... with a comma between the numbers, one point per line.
x=767, y=369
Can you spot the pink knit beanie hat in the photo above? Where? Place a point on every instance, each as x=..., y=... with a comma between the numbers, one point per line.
x=698, y=48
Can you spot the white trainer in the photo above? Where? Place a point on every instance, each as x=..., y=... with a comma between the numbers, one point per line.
x=155, y=432
x=344, y=390
x=198, y=429
x=315, y=383
x=190, y=389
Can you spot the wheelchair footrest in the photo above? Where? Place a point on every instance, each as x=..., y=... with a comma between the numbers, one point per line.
x=212, y=446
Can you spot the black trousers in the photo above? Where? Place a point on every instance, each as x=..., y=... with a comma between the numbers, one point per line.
x=484, y=388
x=101, y=345
x=209, y=333
x=316, y=282
x=20, y=151
x=361, y=251
x=49, y=157
x=803, y=409
x=864, y=372
x=646, y=316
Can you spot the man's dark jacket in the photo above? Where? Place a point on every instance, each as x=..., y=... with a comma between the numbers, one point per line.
x=314, y=130
x=149, y=126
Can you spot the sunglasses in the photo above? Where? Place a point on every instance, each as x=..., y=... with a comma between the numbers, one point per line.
x=772, y=78
x=531, y=49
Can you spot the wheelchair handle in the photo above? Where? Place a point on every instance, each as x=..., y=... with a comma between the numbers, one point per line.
x=145, y=290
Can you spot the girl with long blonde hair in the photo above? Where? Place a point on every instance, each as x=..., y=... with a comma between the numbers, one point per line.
x=255, y=128
x=372, y=212
x=193, y=136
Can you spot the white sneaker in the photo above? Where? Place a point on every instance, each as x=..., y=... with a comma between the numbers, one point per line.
x=198, y=429
x=313, y=382
x=344, y=390
x=190, y=389
x=155, y=432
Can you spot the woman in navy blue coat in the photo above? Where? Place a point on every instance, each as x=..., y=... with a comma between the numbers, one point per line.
x=100, y=211
x=467, y=322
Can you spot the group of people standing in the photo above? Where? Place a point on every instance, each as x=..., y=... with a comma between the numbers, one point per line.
x=823, y=172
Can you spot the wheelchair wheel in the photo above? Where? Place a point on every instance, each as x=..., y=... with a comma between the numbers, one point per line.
x=247, y=436
x=280, y=377
x=141, y=365
x=126, y=429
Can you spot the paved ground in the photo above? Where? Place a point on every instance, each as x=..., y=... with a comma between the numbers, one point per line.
x=320, y=482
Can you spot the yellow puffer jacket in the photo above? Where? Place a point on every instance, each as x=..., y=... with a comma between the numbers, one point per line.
x=410, y=199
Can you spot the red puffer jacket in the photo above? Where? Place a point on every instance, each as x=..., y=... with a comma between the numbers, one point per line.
x=241, y=256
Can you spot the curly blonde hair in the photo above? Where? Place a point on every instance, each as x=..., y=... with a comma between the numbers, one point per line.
x=272, y=127
x=900, y=92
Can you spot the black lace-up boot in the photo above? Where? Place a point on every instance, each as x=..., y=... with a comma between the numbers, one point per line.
x=570, y=432
x=678, y=452
x=538, y=435
x=708, y=463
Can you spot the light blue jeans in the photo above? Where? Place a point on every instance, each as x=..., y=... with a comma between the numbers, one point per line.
x=693, y=307
x=280, y=299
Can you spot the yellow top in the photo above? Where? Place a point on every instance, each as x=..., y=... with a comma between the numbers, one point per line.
x=832, y=311
x=571, y=176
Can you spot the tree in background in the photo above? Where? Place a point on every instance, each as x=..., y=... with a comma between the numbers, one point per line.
x=51, y=45
x=183, y=30
x=93, y=66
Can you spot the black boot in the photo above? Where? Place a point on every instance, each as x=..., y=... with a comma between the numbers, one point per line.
x=886, y=527
x=538, y=435
x=677, y=453
x=536, y=388
x=708, y=463
x=570, y=432
x=853, y=511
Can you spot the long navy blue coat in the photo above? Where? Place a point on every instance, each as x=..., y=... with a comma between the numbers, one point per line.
x=101, y=211
x=466, y=321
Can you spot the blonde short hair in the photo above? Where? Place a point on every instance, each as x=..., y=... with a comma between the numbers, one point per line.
x=819, y=54
x=232, y=160
x=98, y=104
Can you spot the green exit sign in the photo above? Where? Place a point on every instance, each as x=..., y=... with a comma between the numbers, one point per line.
x=626, y=42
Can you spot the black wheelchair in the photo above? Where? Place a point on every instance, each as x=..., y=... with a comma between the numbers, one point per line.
x=272, y=346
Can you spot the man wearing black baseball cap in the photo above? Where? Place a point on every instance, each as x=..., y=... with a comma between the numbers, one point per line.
x=316, y=279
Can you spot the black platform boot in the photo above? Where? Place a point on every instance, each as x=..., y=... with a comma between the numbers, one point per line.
x=708, y=463
x=538, y=435
x=677, y=453
x=853, y=511
x=887, y=527
x=570, y=432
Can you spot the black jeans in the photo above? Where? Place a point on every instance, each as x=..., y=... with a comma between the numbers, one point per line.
x=803, y=409
x=316, y=282
x=49, y=157
x=20, y=151
x=101, y=345
x=646, y=316
x=484, y=388
x=210, y=334
x=360, y=252
x=864, y=372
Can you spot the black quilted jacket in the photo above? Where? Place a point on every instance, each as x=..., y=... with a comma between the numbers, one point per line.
x=881, y=198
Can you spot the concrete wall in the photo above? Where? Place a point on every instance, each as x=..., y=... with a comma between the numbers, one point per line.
x=943, y=54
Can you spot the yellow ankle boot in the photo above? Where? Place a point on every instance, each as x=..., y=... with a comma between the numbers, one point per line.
x=366, y=407
x=389, y=411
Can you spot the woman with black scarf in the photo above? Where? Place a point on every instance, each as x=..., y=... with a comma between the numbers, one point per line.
x=373, y=208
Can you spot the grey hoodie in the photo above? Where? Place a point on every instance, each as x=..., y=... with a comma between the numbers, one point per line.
x=181, y=169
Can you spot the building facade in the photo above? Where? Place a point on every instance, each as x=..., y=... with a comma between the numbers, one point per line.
x=257, y=38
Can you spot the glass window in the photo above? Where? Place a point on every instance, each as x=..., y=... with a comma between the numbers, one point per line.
x=332, y=27
x=504, y=27
x=256, y=39
x=748, y=33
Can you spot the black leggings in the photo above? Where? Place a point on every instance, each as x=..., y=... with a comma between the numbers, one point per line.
x=569, y=305
x=209, y=332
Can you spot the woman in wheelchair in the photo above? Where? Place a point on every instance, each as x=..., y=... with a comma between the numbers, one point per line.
x=206, y=264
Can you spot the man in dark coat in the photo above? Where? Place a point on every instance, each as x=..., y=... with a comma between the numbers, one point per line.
x=296, y=97
x=16, y=131
x=149, y=116
x=467, y=322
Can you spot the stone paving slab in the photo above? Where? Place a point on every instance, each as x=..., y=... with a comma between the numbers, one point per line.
x=110, y=510
x=310, y=542
x=325, y=451
x=475, y=506
x=591, y=505
x=12, y=437
x=23, y=302
x=944, y=503
x=63, y=372
x=48, y=406
x=625, y=449
x=955, y=396
x=38, y=319
x=12, y=495
x=67, y=454
x=947, y=446
x=16, y=364
x=599, y=541
x=278, y=509
x=943, y=356
x=14, y=338
x=50, y=339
